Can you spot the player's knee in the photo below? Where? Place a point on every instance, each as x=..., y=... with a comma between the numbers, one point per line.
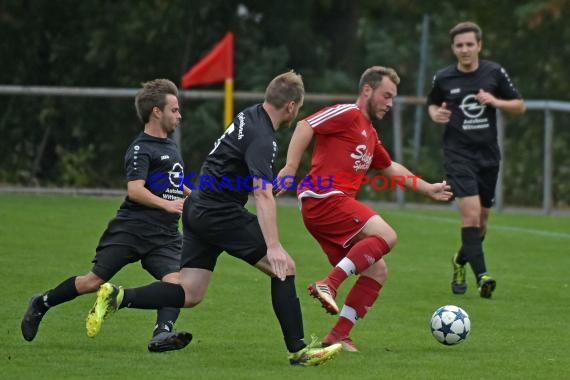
x=91, y=287
x=193, y=299
x=390, y=237
x=173, y=278
x=89, y=283
x=188, y=303
x=378, y=272
x=471, y=218
x=291, y=268
x=471, y=222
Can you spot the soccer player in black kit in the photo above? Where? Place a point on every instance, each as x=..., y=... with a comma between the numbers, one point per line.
x=146, y=225
x=215, y=220
x=464, y=97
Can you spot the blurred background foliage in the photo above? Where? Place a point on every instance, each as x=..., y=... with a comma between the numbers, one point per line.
x=80, y=142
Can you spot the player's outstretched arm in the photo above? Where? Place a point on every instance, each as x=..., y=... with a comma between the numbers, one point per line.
x=439, y=191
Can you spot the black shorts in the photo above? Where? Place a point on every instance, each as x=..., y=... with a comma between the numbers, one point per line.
x=127, y=241
x=208, y=231
x=468, y=179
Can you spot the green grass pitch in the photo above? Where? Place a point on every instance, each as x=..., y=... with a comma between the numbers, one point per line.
x=522, y=332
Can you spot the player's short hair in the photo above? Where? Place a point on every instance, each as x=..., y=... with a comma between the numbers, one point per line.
x=153, y=94
x=466, y=27
x=285, y=88
x=372, y=76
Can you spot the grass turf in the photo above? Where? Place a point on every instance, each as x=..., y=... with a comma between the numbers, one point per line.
x=522, y=332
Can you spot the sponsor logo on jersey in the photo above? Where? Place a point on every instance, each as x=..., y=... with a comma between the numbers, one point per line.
x=455, y=91
x=176, y=175
x=241, y=118
x=471, y=108
x=361, y=158
x=164, y=157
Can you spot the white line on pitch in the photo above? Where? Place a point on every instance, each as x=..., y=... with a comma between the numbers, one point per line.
x=531, y=231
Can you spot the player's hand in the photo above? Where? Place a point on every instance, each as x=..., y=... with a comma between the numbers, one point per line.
x=277, y=257
x=285, y=180
x=442, y=115
x=440, y=191
x=486, y=98
x=174, y=207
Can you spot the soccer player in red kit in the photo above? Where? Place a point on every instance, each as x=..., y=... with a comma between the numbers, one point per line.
x=352, y=235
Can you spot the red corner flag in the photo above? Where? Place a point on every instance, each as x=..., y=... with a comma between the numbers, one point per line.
x=215, y=67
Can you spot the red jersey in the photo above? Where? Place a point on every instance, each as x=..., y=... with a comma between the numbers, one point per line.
x=346, y=146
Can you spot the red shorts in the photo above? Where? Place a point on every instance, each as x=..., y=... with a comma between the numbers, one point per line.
x=334, y=222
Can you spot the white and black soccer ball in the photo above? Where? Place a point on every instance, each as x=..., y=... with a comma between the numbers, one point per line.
x=450, y=325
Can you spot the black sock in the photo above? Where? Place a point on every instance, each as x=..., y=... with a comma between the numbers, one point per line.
x=64, y=292
x=288, y=311
x=472, y=250
x=154, y=296
x=166, y=316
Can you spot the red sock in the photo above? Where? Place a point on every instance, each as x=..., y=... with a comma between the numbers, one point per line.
x=363, y=295
x=342, y=327
x=367, y=251
x=360, y=299
x=362, y=255
x=335, y=278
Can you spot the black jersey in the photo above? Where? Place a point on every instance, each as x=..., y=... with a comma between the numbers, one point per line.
x=246, y=150
x=471, y=133
x=157, y=162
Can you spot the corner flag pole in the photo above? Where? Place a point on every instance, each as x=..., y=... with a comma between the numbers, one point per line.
x=228, y=101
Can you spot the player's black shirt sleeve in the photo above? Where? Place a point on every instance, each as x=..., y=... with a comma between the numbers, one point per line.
x=259, y=157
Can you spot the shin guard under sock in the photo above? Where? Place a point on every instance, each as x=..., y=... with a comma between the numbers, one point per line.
x=154, y=296
x=472, y=249
x=360, y=257
x=288, y=311
x=64, y=292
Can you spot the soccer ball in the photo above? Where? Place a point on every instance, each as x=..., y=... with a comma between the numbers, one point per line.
x=450, y=325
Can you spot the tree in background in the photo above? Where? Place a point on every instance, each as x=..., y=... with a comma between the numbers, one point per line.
x=77, y=141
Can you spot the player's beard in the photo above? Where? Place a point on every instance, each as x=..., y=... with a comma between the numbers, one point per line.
x=169, y=127
x=287, y=123
x=294, y=115
x=372, y=110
